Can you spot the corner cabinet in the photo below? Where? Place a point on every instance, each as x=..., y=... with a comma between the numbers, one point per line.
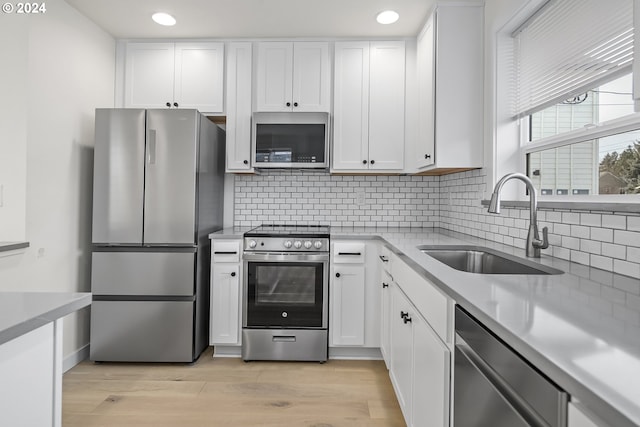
x=226, y=295
x=238, y=125
x=450, y=91
x=369, y=106
x=354, y=320
x=293, y=76
x=174, y=75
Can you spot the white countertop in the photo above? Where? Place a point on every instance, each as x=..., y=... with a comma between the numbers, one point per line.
x=581, y=328
x=22, y=312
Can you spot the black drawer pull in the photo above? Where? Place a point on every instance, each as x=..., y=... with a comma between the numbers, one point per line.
x=384, y=258
x=233, y=274
x=225, y=253
x=350, y=253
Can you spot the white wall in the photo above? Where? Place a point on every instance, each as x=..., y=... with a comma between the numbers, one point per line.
x=13, y=127
x=67, y=67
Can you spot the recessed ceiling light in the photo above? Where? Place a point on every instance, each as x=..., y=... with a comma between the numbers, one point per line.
x=163, y=19
x=387, y=17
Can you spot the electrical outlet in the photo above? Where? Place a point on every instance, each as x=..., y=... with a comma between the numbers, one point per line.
x=359, y=196
x=1, y=195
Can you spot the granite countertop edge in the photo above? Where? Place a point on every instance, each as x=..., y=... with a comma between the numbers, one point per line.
x=24, y=312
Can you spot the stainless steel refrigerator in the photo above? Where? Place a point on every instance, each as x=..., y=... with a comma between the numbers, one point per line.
x=157, y=194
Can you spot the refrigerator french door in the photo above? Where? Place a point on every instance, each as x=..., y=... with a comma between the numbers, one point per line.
x=158, y=184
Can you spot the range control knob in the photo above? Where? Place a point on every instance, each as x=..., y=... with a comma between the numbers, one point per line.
x=297, y=244
x=253, y=243
x=317, y=244
x=287, y=244
x=308, y=244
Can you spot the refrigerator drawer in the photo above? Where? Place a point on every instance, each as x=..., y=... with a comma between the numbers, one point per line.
x=142, y=331
x=143, y=273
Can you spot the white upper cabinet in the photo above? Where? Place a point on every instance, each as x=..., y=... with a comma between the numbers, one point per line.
x=293, y=76
x=174, y=75
x=239, y=107
x=450, y=90
x=369, y=106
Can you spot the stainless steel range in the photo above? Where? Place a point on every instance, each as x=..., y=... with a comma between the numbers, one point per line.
x=286, y=284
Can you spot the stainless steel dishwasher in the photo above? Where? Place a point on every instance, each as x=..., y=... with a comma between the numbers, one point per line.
x=494, y=386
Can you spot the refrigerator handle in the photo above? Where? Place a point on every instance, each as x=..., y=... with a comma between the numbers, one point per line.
x=151, y=152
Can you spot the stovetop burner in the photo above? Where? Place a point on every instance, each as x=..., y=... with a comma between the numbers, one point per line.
x=289, y=230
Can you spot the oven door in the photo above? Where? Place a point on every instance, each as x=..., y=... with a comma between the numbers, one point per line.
x=285, y=290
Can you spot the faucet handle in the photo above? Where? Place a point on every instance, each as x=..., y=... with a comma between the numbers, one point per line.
x=544, y=244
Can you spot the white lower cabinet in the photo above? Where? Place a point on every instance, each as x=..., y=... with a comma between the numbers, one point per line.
x=354, y=318
x=431, y=377
x=385, y=315
x=226, y=293
x=420, y=367
x=347, y=305
x=31, y=372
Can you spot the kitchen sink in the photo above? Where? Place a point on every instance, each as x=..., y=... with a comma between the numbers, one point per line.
x=481, y=260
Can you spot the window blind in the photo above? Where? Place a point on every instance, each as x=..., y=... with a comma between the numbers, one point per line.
x=568, y=47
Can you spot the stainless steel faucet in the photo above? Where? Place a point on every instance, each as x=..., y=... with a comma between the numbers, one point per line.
x=534, y=244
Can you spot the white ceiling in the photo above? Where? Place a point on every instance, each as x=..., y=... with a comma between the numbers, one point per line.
x=255, y=18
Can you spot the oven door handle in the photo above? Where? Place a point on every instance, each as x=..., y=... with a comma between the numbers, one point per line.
x=285, y=256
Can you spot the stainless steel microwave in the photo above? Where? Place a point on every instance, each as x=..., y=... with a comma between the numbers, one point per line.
x=290, y=140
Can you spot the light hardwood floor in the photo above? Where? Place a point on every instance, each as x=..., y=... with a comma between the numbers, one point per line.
x=228, y=392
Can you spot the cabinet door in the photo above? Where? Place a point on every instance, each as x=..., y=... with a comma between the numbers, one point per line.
x=385, y=317
x=431, y=377
x=386, y=105
x=347, y=304
x=225, y=304
x=149, y=75
x=401, y=351
x=239, y=107
x=199, y=76
x=275, y=76
x=311, y=77
x=426, y=96
x=351, y=106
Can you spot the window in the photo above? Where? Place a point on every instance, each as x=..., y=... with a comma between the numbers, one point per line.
x=574, y=98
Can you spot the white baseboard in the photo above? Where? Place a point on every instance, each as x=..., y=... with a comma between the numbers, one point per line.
x=355, y=353
x=74, y=358
x=227, y=351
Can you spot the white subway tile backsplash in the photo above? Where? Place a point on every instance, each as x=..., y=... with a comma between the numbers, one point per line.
x=606, y=240
x=614, y=221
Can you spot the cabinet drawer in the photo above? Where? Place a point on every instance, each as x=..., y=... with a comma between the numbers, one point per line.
x=386, y=259
x=428, y=300
x=225, y=251
x=349, y=253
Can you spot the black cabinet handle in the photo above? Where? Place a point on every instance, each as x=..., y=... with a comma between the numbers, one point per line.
x=288, y=104
x=364, y=162
x=233, y=274
x=337, y=274
x=246, y=162
x=168, y=104
x=406, y=320
x=427, y=156
x=384, y=258
x=295, y=104
x=373, y=161
x=225, y=253
x=404, y=314
x=385, y=285
x=175, y=104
